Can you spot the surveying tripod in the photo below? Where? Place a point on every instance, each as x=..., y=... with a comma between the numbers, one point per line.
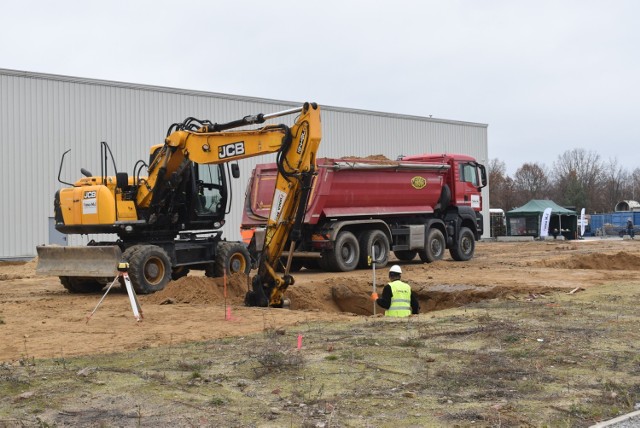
x=133, y=299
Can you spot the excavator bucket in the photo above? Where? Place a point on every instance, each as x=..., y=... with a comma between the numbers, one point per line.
x=94, y=261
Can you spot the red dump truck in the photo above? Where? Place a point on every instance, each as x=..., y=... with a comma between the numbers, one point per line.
x=364, y=208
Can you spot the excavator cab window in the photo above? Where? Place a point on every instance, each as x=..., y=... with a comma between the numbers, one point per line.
x=212, y=195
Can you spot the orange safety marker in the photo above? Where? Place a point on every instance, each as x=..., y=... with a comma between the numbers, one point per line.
x=299, y=341
x=227, y=310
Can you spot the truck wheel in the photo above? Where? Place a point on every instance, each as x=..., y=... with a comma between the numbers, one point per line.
x=231, y=257
x=345, y=254
x=296, y=265
x=75, y=284
x=311, y=264
x=149, y=269
x=434, y=246
x=378, y=240
x=405, y=255
x=465, y=246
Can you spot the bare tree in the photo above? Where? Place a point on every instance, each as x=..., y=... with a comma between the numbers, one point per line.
x=577, y=176
x=635, y=184
x=616, y=186
x=500, y=185
x=531, y=182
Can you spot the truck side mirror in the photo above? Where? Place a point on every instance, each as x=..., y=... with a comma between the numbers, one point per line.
x=483, y=175
x=235, y=170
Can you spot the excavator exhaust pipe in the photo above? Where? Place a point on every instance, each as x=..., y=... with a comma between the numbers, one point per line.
x=94, y=261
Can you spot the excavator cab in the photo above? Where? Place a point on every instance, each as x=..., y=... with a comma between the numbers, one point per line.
x=210, y=193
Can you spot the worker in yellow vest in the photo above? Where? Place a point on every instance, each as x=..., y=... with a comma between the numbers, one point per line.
x=397, y=298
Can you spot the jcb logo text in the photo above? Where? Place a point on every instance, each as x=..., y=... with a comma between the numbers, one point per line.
x=230, y=150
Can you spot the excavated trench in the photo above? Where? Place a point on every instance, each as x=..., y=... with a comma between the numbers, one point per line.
x=339, y=293
x=348, y=297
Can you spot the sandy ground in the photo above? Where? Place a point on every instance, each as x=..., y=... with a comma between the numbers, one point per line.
x=40, y=319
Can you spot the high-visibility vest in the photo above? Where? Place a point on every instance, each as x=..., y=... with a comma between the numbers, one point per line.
x=400, y=301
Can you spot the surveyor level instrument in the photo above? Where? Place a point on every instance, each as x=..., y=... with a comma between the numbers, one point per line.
x=133, y=299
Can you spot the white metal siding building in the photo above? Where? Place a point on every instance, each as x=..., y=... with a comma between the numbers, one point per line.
x=43, y=115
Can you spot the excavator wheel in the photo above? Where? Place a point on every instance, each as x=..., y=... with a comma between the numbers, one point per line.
x=149, y=269
x=75, y=284
x=231, y=257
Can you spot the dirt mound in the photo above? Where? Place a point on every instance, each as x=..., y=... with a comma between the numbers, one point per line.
x=201, y=289
x=370, y=157
x=17, y=270
x=599, y=261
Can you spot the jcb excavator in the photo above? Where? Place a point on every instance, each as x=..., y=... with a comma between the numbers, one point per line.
x=169, y=221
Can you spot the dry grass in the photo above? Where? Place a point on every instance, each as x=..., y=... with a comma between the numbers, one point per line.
x=558, y=360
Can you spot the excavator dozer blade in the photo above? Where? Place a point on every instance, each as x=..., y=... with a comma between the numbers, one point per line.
x=94, y=261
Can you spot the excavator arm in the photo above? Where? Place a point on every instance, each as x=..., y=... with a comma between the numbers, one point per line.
x=208, y=143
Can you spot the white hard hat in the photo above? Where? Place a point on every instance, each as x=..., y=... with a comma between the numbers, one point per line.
x=395, y=269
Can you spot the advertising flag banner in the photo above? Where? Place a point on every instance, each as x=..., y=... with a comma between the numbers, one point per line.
x=544, y=224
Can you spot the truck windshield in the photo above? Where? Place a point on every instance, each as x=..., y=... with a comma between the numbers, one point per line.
x=468, y=173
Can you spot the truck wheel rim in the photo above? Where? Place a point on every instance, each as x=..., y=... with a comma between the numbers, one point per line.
x=381, y=252
x=466, y=245
x=347, y=254
x=436, y=247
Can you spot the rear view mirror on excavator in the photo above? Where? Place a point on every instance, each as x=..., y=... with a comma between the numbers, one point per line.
x=235, y=170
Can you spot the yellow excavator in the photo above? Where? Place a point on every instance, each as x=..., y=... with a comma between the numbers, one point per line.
x=168, y=222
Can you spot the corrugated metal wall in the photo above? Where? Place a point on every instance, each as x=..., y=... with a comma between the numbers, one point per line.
x=41, y=116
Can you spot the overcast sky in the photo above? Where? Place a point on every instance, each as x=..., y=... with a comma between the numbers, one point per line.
x=546, y=76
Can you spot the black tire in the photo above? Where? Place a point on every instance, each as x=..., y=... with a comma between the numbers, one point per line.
x=378, y=240
x=434, y=246
x=126, y=257
x=323, y=263
x=405, y=255
x=296, y=265
x=75, y=284
x=311, y=264
x=345, y=254
x=149, y=268
x=465, y=246
x=179, y=272
x=231, y=257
